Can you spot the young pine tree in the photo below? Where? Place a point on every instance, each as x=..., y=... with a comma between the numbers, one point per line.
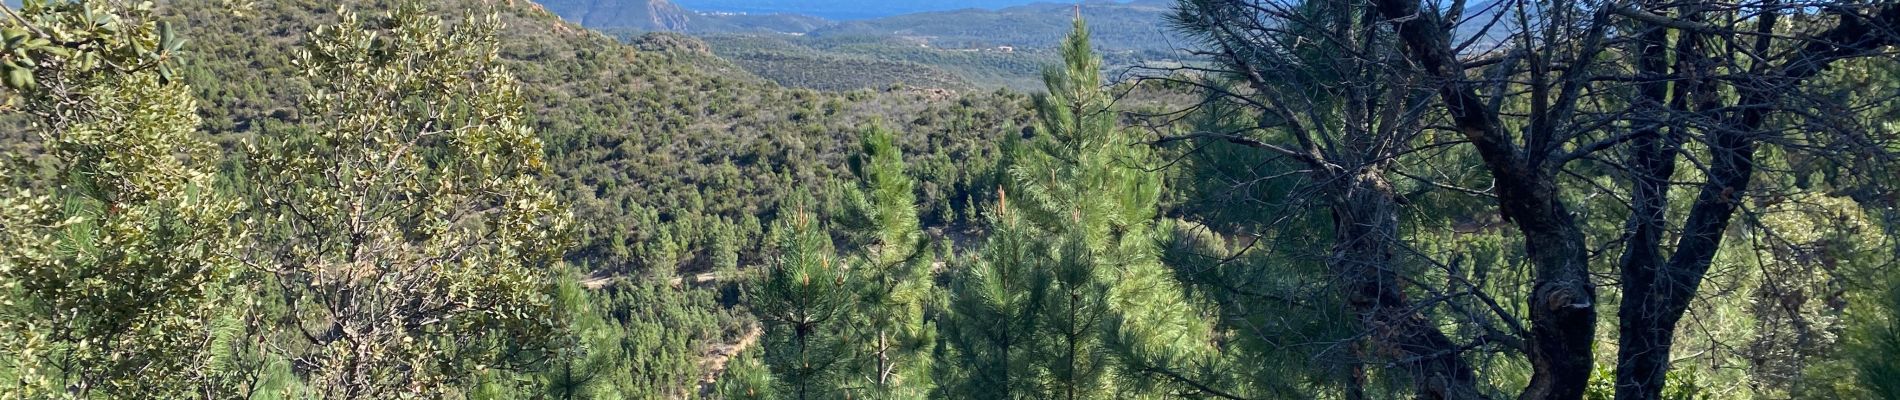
x=1081, y=211
x=746, y=378
x=589, y=356
x=405, y=223
x=994, y=338
x=804, y=301
x=890, y=258
x=113, y=251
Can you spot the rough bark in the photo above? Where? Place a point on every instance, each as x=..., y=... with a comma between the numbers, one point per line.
x=1563, y=300
x=1655, y=301
x=1652, y=164
x=1351, y=160
x=1365, y=220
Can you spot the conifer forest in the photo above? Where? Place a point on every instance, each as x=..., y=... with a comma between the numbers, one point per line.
x=996, y=199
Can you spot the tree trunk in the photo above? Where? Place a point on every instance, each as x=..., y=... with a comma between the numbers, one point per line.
x=1563, y=300
x=1657, y=298
x=884, y=367
x=1652, y=166
x=1365, y=227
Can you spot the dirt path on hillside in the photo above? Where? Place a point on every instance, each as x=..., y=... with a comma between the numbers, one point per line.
x=600, y=282
x=597, y=282
x=698, y=279
x=714, y=363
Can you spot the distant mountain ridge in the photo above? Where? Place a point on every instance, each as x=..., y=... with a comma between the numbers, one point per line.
x=1005, y=45
x=1114, y=26
x=959, y=49
x=800, y=16
x=844, y=10
x=633, y=13
x=660, y=15
x=1002, y=46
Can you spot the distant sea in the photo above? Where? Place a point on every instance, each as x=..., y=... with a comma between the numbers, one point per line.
x=848, y=9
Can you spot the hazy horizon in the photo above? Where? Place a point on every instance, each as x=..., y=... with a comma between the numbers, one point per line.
x=849, y=9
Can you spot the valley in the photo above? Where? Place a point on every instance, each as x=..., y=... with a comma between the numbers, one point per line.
x=974, y=48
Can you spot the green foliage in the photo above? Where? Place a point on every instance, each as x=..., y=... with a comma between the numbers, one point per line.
x=584, y=358
x=405, y=221
x=1261, y=266
x=1681, y=384
x=627, y=338
x=804, y=301
x=649, y=147
x=407, y=228
x=672, y=160
x=668, y=330
x=62, y=37
x=113, y=268
x=1875, y=340
x=747, y=378
x=1076, y=243
x=994, y=334
x=890, y=259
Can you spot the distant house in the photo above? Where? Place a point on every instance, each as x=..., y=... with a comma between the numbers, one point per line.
x=1006, y=49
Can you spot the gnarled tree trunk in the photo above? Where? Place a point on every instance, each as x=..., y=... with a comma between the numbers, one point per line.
x=1365, y=229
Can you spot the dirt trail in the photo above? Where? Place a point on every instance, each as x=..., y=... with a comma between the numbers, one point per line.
x=699, y=279
x=599, y=282
x=715, y=358
x=714, y=363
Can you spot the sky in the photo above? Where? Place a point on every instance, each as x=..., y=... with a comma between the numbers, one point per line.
x=848, y=9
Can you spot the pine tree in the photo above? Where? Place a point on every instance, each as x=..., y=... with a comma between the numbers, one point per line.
x=1083, y=217
x=722, y=245
x=114, y=253
x=995, y=336
x=1874, y=340
x=588, y=355
x=890, y=265
x=404, y=221
x=746, y=378
x=804, y=301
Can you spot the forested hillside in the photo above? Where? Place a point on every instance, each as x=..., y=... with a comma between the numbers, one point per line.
x=642, y=137
x=883, y=60
x=1341, y=199
x=884, y=64
x=671, y=159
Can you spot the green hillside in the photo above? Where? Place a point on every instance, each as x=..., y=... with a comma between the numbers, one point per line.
x=1017, y=69
x=671, y=160
x=642, y=140
x=783, y=60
